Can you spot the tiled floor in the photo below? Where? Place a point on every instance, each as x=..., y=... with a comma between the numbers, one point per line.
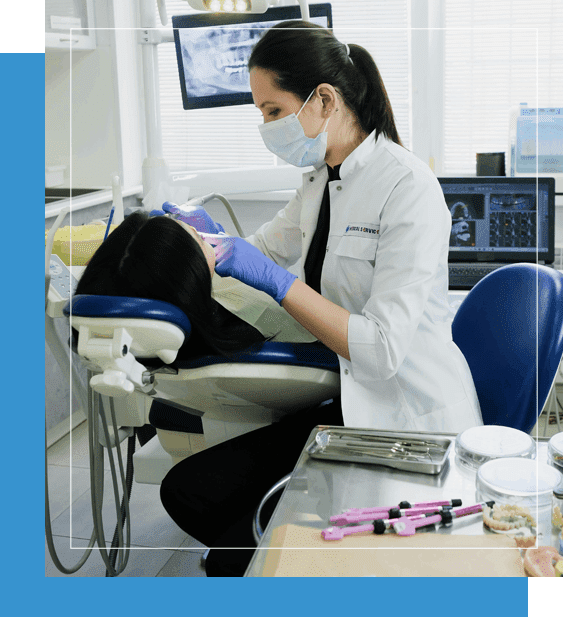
x=158, y=546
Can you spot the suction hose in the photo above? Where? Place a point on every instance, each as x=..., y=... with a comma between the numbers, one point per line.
x=128, y=487
x=96, y=469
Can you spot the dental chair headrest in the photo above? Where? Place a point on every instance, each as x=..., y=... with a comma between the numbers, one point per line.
x=130, y=308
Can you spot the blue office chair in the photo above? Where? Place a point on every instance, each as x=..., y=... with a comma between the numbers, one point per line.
x=510, y=330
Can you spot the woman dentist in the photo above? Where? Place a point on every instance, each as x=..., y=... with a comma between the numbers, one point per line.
x=371, y=227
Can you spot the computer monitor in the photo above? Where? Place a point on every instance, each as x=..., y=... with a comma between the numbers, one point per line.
x=501, y=219
x=213, y=50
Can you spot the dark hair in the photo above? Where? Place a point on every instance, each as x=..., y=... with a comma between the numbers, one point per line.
x=156, y=258
x=304, y=55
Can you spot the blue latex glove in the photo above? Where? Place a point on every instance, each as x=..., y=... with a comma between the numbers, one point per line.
x=157, y=213
x=237, y=258
x=195, y=216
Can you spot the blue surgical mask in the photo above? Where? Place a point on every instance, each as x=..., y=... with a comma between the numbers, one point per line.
x=286, y=138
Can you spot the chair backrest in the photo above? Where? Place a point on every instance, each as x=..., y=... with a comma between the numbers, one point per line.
x=510, y=330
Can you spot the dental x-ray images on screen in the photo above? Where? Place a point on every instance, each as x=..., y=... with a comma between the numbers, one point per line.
x=215, y=59
x=505, y=216
x=213, y=53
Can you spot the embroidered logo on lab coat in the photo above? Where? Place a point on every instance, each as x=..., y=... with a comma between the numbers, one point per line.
x=362, y=230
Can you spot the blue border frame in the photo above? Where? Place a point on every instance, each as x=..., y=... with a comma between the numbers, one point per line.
x=23, y=400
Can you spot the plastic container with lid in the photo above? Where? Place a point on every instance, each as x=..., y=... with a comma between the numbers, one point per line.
x=480, y=444
x=555, y=451
x=557, y=508
x=522, y=482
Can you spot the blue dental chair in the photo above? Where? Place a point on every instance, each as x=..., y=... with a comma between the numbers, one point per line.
x=510, y=330
x=132, y=344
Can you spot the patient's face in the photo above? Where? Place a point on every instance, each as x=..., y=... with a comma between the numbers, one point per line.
x=206, y=248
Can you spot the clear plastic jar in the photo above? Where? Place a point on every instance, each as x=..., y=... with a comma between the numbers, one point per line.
x=521, y=482
x=555, y=451
x=557, y=508
x=480, y=444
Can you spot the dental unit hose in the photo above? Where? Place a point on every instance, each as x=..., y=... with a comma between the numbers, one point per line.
x=120, y=546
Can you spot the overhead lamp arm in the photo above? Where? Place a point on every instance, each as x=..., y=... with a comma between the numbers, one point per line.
x=162, y=12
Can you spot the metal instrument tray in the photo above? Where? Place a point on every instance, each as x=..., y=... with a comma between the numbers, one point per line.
x=408, y=451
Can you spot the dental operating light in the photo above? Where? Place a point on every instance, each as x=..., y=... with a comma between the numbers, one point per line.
x=232, y=6
x=243, y=6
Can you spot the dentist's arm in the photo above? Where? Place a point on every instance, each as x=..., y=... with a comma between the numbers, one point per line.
x=327, y=321
x=324, y=319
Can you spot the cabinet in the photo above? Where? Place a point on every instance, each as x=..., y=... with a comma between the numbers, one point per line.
x=61, y=16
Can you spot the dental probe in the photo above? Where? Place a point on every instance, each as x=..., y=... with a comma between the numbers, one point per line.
x=388, y=511
x=407, y=526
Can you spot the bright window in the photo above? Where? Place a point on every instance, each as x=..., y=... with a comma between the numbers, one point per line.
x=495, y=59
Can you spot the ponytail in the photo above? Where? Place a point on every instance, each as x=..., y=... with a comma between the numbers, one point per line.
x=368, y=97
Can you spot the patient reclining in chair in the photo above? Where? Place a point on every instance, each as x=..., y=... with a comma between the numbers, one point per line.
x=164, y=259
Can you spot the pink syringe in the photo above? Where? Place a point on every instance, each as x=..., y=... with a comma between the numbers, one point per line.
x=357, y=515
x=407, y=526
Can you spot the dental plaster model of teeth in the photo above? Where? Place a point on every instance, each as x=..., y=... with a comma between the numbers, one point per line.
x=543, y=561
x=507, y=517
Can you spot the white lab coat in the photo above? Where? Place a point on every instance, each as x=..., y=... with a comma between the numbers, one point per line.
x=386, y=263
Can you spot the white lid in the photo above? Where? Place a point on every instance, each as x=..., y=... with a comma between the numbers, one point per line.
x=518, y=481
x=480, y=444
x=555, y=449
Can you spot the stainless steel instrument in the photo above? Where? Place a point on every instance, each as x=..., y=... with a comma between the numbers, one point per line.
x=415, y=452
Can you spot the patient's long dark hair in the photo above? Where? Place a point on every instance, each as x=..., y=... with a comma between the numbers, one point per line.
x=156, y=258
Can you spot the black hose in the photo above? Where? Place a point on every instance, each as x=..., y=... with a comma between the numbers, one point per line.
x=128, y=488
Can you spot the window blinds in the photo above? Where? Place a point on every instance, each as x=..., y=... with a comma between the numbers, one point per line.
x=228, y=136
x=495, y=59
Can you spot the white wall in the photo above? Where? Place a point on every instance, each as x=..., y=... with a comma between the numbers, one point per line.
x=99, y=90
x=87, y=101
